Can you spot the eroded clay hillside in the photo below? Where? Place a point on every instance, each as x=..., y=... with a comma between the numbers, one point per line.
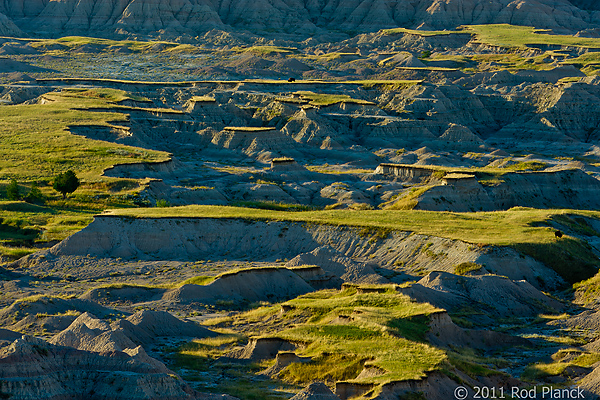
x=192, y=17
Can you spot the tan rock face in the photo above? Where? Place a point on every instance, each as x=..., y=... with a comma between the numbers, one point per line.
x=293, y=16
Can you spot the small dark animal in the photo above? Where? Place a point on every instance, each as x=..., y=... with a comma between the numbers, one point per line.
x=292, y=80
x=558, y=234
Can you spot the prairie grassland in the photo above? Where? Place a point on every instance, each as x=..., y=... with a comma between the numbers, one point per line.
x=266, y=50
x=517, y=225
x=36, y=145
x=342, y=332
x=396, y=31
x=35, y=142
x=70, y=42
x=505, y=35
x=385, y=330
x=322, y=99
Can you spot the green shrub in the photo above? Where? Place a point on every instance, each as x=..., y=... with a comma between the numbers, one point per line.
x=162, y=203
x=12, y=190
x=35, y=195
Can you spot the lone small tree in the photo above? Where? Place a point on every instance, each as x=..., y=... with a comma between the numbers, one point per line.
x=12, y=190
x=66, y=183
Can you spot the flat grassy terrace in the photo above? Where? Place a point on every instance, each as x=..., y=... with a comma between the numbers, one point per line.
x=36, y=145
x=35, y=142
x=71, y=42
x=396, y=31
x=517, y=225
x=529, y=231
x=505, y=35
x=320, y=99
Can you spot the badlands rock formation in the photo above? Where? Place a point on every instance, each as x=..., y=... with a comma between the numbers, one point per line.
x=94, y=359
x=193, y=17
x=200, y=238
x=32, y=368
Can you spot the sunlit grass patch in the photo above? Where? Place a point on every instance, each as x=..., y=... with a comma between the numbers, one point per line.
x=267, y=50
x=322, y=99
x=562, y=360
x=521, y=36
x=16, y=252
x=35, y=143
x=199, y=280
x=345, y=331
x=396, y=31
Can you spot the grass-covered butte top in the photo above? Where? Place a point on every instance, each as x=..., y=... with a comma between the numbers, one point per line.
x=249, y=128
x=529, y=231
x=517, y=225
x=505, y=35
x=322, y=99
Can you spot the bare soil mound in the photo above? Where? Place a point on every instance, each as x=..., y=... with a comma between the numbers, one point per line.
x=262, y=349
x=124, y=294
x=493, y=295
x=45, y=312
x=333, y=262
x=259, y=284
x=591, y=383
x=14, y=48
x=161, y=323
x=91, y=334
x=587, y=320
x=7, y=337
x=8, y=65
x=316, y=391
x=21, y=94
x=34, y=369
x=291, y=66
x=318, y=278
x=444, y=332
x=405, y=60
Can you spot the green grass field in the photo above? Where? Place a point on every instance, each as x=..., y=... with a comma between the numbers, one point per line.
x=35, y=142
x=382, y=330
x=505, y=35
x=266, y=50
x=71, y=42
x=320, y=99
x=397, y=31
x=342, y=331
x=36, y=145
